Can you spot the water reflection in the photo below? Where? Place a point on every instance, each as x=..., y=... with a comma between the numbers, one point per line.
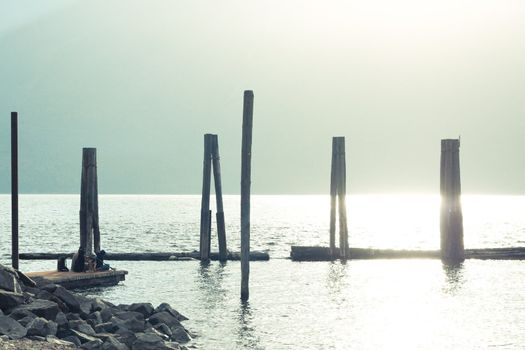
x=246, y=335
x=454, y=278
x=210, y=283
x=336, y=281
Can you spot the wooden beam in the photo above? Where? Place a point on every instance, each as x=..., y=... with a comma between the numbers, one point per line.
x=151, y=256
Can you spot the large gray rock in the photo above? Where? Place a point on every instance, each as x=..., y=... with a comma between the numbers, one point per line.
x=25, y=281
x=10, y=300
x=73, y=317
x=127, y=315
x=20, y=314
x=157, y=333
x=165, y=307
x=51, y=287
x=148, y=341
x=113, y=344
x=105, y=327
x=68, y=298
x=180, y=335
x=133, y=324
x=106, y=314
x=61, y=320
x=84, y=338
x=145, y=309
x=11, y=328
x=41, y=327
x=125, y=337
x=172, y=345
x=86, y=306
x=163, y=328
x=99, y=304
x=42, y=308
x=92, y=345
x=82, y=326
x=45, y=295
x=73, y=339
x=55, y=341
x=9, y=280
x=96, y=317
x=164, y=317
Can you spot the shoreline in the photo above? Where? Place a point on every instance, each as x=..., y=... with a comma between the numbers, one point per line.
x=52, y=317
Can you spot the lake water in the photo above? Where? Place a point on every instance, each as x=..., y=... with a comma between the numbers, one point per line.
x=379, y=304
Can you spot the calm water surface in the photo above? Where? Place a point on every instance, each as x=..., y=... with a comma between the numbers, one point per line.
x=380, y=304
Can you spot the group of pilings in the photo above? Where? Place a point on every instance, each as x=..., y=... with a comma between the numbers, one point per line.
x=89, y=212
x=451, y=218
x=212, y=160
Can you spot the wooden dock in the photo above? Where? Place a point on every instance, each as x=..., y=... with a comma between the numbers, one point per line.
x=154, y=256
x=301, y=253
x=73, y=280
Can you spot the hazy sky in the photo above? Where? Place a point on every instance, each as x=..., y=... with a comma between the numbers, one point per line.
x=143, y=81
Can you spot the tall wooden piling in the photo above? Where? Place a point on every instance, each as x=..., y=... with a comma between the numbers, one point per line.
x=89, y=227
x=221, y=226
x=333, y=195
x=246, y=156
x=338, y=197
x=205, y=201
x=14, y=190
x=451, y=218
x=341, y=194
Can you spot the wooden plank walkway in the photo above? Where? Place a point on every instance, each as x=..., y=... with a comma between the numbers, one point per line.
x=159, y=256
x=72, y=280
x=302, y=253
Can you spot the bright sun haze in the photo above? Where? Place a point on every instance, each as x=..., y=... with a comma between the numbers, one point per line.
x=143, y=81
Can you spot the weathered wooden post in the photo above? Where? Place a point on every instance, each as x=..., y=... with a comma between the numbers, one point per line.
x=14, y=190
x=205, y=201
x=221, y=226
x=341, y=194
x=89, y=227
x=451, y=218
x=333, y=195
x=246, y=157
x=338, y=197
x=209, y=230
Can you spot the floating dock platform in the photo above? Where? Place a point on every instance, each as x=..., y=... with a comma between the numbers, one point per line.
x=74, y=280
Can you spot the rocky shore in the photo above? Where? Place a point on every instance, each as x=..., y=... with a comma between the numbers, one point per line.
x=51, y=317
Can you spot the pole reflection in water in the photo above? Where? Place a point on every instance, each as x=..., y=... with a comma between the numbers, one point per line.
x=337, y=281
x=246, y=334
x=454, y=278
x=210, y=283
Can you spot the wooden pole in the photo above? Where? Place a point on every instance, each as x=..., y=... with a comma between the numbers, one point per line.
x=221, y=226
x=205, y=201
x=96, y=227
x=246, y=157
x=451, y=218
x=333, y=195
x=14, y=190
x=210, y=214
x=88, y=200
x=341, y=193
